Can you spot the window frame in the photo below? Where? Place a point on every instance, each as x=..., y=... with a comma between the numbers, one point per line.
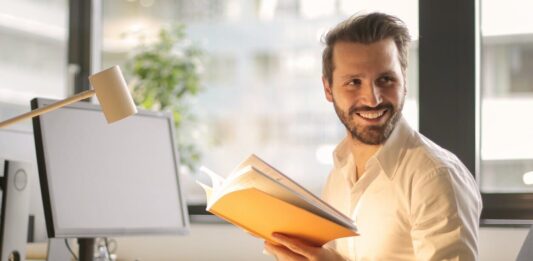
x=452, y=99
x=84, y=37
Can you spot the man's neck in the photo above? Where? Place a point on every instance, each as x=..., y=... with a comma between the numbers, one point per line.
x=361, y=153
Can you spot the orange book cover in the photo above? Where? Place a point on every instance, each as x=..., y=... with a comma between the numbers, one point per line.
x=261, y=200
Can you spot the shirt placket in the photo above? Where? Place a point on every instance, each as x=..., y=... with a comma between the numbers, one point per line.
x=357, y=195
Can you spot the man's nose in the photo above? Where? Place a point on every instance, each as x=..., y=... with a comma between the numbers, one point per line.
x=371, y=95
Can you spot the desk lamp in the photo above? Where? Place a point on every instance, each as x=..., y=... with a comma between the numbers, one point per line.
x=110, y=89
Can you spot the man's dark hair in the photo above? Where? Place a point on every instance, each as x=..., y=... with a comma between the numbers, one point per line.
x=366, y=29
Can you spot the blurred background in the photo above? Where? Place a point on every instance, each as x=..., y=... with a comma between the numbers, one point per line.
x=259, y=77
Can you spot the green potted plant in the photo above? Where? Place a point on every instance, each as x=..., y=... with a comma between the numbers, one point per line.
x=164, y=76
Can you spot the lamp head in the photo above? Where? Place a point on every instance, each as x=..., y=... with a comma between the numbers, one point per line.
x=113, y=94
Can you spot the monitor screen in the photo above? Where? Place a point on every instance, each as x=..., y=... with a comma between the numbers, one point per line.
x=99, y=179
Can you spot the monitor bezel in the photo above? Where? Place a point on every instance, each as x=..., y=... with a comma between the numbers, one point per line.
x=45, y=190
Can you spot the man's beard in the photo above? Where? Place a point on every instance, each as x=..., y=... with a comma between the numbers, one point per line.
x=373, y=134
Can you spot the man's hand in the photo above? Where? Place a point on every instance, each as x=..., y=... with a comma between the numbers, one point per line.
x=295, y=249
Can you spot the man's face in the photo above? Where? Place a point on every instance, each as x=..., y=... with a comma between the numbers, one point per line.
x=368, y=89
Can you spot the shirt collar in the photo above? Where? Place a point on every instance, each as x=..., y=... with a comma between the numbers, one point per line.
x=394, y=148
x=387, y=156
x=342, y=152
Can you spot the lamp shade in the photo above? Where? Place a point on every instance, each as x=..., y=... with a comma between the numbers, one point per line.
x=112, y=93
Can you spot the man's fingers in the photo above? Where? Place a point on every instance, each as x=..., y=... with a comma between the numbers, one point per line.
x=282, y=253
x=295, y=245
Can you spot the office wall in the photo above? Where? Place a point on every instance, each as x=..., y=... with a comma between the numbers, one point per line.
x=498, y=244
x=226, y=242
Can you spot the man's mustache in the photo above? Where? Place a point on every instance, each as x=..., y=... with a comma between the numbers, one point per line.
x=356, y=109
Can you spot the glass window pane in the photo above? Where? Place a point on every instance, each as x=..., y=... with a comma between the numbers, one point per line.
x=506, y=96
x=262, y=77
x=33, y=54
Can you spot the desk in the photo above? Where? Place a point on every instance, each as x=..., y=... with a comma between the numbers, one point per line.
x=205, y=242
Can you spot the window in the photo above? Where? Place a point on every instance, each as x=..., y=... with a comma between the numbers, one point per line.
x=263, y=93
x=506, y=97
x=33, y=54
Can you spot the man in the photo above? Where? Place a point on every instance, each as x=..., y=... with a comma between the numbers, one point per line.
x=410, y=198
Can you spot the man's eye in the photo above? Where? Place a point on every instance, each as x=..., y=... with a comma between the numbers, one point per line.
x=355, y=82
x=386, y=80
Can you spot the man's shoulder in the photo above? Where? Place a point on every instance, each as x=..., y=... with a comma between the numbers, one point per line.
x=427, y=168
x=424, y=157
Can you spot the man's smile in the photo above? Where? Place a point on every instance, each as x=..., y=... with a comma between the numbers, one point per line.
x=372, y=114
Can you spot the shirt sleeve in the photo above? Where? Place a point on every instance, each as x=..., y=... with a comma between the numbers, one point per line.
x=445, y=209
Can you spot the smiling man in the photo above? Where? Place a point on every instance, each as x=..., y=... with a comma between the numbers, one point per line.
x=410, y=198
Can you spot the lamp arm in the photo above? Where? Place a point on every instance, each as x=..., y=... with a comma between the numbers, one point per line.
x=51, y=107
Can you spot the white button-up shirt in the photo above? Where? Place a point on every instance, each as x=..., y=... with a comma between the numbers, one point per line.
x=415, y=201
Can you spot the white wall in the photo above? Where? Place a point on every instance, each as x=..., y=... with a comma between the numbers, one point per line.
x=500, y=244
x=226, y=242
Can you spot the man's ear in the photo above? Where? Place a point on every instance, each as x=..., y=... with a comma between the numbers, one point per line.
x=405, y=85
x=327, y=89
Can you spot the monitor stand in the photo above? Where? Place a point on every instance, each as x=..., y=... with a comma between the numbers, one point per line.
x=86, y=249
x=58, y=250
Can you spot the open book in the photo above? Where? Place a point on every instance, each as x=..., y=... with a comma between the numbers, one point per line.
x=261, y=200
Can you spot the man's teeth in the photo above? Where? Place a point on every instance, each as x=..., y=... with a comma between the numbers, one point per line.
x=372, y=114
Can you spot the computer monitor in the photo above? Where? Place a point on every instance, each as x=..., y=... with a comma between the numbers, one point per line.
x=17, y=144
x=15, y=201
x=100, y=180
